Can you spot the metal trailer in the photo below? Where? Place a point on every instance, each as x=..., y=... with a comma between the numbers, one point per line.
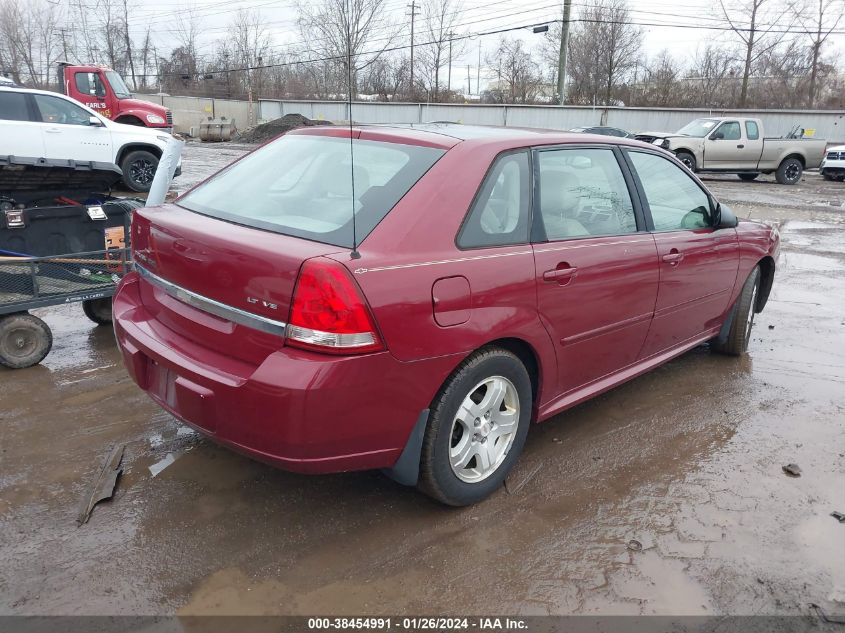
x=27, y=283
x=59, y=244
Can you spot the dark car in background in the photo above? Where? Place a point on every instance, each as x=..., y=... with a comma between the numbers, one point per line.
x=603, y=130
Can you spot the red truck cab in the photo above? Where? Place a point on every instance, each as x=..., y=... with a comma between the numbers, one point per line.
x=102, y=89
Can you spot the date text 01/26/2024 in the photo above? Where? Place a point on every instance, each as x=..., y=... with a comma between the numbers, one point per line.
x=417, y=624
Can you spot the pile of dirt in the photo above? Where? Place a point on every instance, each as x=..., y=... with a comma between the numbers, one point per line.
x=271, y=129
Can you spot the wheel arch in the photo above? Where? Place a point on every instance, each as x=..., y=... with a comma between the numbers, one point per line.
x=131, y=147
x=129, y=119
x=767, y=278
x=406, y=469
x=527, y=356
x=686, y=150
x=800, y=158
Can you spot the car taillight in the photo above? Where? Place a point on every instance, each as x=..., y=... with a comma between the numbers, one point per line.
x=329, y=313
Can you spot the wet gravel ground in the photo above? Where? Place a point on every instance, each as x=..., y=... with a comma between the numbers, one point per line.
x=663, y=496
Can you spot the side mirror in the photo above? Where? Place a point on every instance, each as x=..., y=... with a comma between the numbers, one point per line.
x=717, y=136
x=725, y=218
x=94, y=122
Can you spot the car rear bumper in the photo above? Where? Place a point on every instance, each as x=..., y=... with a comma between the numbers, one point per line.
x=297, y=410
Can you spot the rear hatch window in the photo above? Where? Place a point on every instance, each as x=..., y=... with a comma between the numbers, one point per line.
x=305, y=186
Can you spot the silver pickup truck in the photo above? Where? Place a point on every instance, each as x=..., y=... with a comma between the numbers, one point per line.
x=736, y=145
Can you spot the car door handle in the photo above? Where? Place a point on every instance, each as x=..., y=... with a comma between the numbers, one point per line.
x=564, y=272
x=740, y=146
x=53, y=130
x=673, y=257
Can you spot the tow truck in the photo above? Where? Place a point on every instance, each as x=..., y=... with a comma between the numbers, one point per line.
x=102, y=89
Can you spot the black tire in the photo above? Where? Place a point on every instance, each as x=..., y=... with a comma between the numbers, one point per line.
x=24, y=340
x=138, y=168
x=687, y=159
x=748, y=177
x=736, y=343
x=789, y=172
x=444, y=432
x=98, y=310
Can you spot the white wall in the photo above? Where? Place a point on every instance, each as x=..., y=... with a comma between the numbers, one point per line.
x=190, y=111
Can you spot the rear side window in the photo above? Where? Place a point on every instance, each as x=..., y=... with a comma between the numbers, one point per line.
x=751, y=130
x=582, y=193
x=499, y=215
x=13, y=106
x=61, y=111
x=305, y=186
x=675, y=200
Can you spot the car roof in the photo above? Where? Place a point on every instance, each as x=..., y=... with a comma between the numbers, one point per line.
x=16, y=88
x=446, y=135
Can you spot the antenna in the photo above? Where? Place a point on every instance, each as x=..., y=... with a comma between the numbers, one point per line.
x=354, y=254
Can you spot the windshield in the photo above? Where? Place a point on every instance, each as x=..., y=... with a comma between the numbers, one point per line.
x=302, y=185
x=698, y=128
x=116, y=81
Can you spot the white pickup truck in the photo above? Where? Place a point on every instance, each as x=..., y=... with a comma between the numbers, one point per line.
x=736, y=145
x=39, y=124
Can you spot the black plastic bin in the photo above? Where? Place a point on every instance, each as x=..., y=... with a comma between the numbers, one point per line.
x=61, y=241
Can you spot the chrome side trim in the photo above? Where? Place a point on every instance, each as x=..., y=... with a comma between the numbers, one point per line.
x=235, y=315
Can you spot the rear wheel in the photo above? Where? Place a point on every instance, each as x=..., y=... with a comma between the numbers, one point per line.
x=476, y=428
x=24, y=340
x=789, y=172
x=748, y=177
x=139, y=168
x=687, y=159
x=98, y=310
x=736, y=343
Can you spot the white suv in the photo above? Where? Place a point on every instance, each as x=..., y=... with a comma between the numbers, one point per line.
x=833, y=165
x=39, y=124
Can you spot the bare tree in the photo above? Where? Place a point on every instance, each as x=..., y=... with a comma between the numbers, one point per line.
x=661, y=81
x=251, y=41
x=440, y=17
x=344, y=30
x=764, y=22
x=819, y=18
x=29, y=40
x=710, y=79
x=603, y=50
x=519, y=77
x=387, y=77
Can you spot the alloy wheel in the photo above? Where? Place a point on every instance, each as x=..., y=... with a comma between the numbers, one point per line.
x=484, y=429
x=142, y=172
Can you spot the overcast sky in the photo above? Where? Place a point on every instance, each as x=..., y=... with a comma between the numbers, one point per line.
x=477, y=16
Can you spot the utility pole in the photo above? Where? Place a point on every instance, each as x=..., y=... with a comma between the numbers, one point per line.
x=449, y=76
x=564, y=43
x=478, y=71
x=414, y=12
x=469, y=82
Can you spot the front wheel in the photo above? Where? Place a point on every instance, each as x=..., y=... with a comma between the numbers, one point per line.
x=687, y=159
x=736, y=342
x=476, y=428
x=789, y=172
x=139, y=168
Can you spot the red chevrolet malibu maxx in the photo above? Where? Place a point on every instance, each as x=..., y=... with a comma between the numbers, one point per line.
x=490, y=278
